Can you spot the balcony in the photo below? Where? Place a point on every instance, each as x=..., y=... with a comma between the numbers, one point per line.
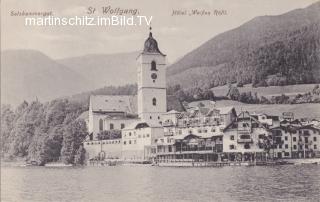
x=168, y=133
x=245, y=140
x=244, y=131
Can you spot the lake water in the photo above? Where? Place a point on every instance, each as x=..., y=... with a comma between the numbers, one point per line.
x=146, y=183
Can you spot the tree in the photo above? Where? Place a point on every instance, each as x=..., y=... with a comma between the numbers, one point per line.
x=181, y=95
x=254, y=81
x=208, y=94
x=7, y=121
x=79, y=158
x=316, y=90
x=109, y=134
x=264, y=100
x=73, y=136
x=240, y=84
x=233, y=93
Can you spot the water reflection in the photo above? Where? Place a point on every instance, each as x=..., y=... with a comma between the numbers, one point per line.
x=144, y=183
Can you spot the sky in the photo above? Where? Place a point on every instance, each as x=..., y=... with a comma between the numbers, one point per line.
x=176, y=35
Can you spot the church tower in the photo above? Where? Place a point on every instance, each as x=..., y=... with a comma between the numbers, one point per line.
x=152, y=95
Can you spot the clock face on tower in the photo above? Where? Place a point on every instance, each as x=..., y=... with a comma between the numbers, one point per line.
x=154, y=76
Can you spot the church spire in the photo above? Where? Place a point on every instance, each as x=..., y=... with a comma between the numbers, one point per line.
x=151, y=45
x=150, y=33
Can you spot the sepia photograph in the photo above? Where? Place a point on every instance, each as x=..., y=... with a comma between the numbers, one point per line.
x=156, y=101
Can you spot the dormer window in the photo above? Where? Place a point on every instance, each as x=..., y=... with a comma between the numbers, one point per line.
x=153, y=66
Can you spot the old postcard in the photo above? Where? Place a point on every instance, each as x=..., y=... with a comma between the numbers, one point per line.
x=121, y=100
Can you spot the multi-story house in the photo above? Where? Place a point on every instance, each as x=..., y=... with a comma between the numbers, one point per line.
x=198, y=121
x=244, y=139
x=294, y=140
x=195, y=135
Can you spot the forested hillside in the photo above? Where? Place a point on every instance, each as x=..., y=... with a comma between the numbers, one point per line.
x=268, y=50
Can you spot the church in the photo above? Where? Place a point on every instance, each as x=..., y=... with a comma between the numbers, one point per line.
x=138, y=119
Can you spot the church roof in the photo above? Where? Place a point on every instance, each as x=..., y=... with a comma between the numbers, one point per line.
x=113, y=103
x=151, y=45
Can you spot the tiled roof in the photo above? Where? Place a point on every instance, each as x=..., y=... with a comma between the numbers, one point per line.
x=114, y=103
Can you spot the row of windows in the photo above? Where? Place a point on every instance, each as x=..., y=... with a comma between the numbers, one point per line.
x=200, y=131
x=198, y=121
x=304, y=132
x=111, y=125
x=246, y=146
x=158, y=117
x=161, y=140
x=294, y=139
x=306, y=139
x=105, y=142
x=295, y=146
x=139, y=136
x=130, y=142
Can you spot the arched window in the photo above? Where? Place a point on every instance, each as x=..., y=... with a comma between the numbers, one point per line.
x=154, y=101
x=153, y=66
x=101, y=125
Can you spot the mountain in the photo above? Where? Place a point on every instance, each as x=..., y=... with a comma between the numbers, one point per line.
x=268, y=50
x=105, y=70
x=29, y=75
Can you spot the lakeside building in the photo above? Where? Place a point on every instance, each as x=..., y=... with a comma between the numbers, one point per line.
x=108, y=113
x=295, y=140
x=248, y=138
x=137, y=141
x=139, y=118
x=220, y=134
x=139, y=128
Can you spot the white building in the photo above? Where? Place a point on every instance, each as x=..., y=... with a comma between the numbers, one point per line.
x=137, y=141
x=152, y=96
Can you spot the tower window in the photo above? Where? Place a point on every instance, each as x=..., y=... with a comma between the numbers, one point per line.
x=101, y=125
x=153, y=66
x=154, y=101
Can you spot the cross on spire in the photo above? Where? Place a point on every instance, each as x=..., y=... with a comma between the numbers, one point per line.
x=150, y=28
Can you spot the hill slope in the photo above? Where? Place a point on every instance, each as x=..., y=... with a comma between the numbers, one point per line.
x=280, y=50
x=29, y=74
x=103, y=69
